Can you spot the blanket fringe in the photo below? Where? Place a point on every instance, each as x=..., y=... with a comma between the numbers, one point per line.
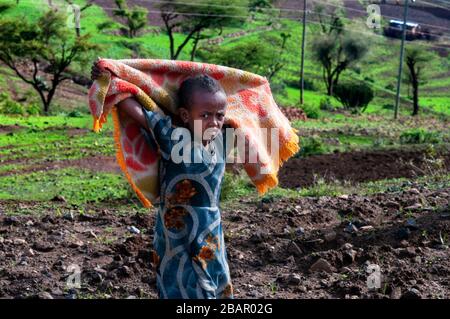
x=121, y=159
x=288, y=149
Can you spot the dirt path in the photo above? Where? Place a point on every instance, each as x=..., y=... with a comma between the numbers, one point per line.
x=274, y=248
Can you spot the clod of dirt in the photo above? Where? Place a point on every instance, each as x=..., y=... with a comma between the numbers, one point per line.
x=411, y=294
x=322, y=265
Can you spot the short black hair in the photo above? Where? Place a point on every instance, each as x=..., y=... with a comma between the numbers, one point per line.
x=198, y=82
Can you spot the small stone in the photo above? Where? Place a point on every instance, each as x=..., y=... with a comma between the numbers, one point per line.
x=321, y=265
x=411, y=294
x=302, y=289
x=414, y=191
x=411, y=251
x=29, y=223
x=101, y=271
x=392, y=204
x=133, y=230
x=44, y=295
x=349, y=256
x=1, y=240
x=396, y=293
x=299, y=231
x=19, y=241
x=345, y=196
x=418, y=259
x=404, y=243
x=403, y=233
x=58, y=198
x=76, y=244
x=69, y=216
x=345, y=270
x=125, y=271
x=131, y=297
x=92, y=234
x=330, y=236
x=347, y=246
x=11, y=220
x=43, y=247
x=366, y=228
x=30, y=252
x=350, y=228
x=294, y=249
x=416, y=206
x=294, y=279
x=57, y=292
x=411, y=224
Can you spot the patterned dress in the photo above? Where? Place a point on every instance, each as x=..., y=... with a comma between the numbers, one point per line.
x=189, y=248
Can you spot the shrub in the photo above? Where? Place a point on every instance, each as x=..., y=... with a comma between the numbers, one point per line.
x=311, y=146
x=311, y=111
x=354, y=96
x=75, y=113
x=419, y=136
x=325, y=104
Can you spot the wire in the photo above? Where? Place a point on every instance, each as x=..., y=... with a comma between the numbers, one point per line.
x=292, y=10
x=272, y=18
x=435, y=5
x=294, y=19
x=383, y=15
x=217, y=5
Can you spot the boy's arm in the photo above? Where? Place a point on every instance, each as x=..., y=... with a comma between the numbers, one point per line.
x=134, y=109
x=159, y=125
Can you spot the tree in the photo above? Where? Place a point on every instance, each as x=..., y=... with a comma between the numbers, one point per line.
x=416, y=59
x=28, y=48
x=264, y=57
x=192, y=19
x=136, y=18
x=329, y=19
x=354, y=96
x=335, y=49
x=336, y=53
x=259, y=5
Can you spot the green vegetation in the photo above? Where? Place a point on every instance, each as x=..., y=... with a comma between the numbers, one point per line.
x=268, y=46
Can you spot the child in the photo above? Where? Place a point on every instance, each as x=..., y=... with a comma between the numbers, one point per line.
x=189, y=254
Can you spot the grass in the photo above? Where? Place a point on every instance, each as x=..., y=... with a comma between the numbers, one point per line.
x=75, y=185
x=378, y=68
x=45, y=139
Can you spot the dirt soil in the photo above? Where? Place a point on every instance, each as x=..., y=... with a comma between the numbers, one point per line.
x=355, y=167
x=282, y=248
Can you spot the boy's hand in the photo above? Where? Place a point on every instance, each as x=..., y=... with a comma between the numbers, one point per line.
x=96, y=71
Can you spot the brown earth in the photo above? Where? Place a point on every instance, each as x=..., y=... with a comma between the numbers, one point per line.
x=272, y=247
x=356, y=167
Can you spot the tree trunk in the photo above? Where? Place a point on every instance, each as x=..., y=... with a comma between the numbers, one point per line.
x=415, y=87
x=194, y=48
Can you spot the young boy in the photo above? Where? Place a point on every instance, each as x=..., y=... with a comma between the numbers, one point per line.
x=189, y=249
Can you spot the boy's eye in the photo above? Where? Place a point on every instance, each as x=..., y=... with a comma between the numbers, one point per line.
x=205, y=115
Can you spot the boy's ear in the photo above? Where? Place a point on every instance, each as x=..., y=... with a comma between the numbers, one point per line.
x=184, y=114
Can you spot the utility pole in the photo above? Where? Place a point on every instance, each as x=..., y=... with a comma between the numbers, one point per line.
x=302, y=73
x=402, y=49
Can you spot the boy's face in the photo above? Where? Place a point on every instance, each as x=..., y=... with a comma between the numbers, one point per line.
x=208, y=110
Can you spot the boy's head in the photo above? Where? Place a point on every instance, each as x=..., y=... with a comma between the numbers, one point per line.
x=201, y=98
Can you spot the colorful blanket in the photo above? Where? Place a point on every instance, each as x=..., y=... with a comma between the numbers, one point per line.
x=154, y=84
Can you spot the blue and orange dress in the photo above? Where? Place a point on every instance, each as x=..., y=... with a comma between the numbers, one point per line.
x=189, y=248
